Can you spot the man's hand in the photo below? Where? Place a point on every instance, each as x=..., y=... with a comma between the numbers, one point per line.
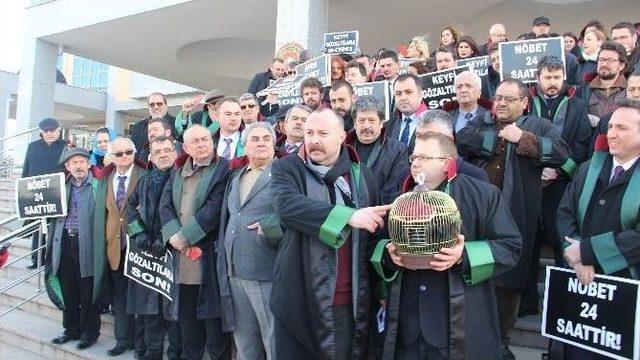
x=549, y=174
x=272, y=98
x=369, y=218
x=447, y=257
x=188, y=105
x=511, y=133
x=178, y=242
x=585, y=273
x=391, y=248
x=572, y=252
x=256, y=226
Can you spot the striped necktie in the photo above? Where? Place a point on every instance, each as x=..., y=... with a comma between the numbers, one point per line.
x=226, y=153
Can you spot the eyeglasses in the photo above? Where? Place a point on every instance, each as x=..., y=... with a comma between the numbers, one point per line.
x=49, y=131
x=508, y=99
x=291, y=72
x=423, y=158
x=165, y=151
x=156, y=104
x=122, y=153
x=250, y=106
x=608, y=60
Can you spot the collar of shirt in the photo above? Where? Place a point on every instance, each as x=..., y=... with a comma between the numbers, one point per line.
x=287, y=143
x=626, y=166
x=187, y=169
x=234, y=137
x=260, y=168
x=116, y=181
x=82, y=183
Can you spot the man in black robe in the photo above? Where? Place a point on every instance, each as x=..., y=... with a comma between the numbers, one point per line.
x=449, y=310
x=320, y=296
x=598, y=215
x=513, y=149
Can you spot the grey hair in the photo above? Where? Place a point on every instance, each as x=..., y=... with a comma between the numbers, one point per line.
x=258, y=124
x=248, y=96
x=367, y=103
x=476, y=78
x=192, y=128
x=437, y=117
x=298, y=106
x=121, y=138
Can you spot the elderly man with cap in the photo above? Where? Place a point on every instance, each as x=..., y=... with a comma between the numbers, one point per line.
x=71, y=253
x=157, y=103
x=42, y=158
x=541, y=26
x=207, y=116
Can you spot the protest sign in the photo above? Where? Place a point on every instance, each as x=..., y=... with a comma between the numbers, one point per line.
x=377, y=89
x=281, y=86
x=479, y=65
x=40, y=197
x=404, y=64
x=344, y=42
x=319, y=67
x=519, y=59
x=437, y=87
x=602, y=317
x=153, y=272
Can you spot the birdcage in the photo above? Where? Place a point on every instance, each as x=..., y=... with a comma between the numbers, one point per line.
x=421, y=223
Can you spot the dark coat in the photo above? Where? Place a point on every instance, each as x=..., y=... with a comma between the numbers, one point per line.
x=305, y=270
x=201, y=230
x=260, y=82
x=42, y=159
x=490, y=233
x=522, y=185
x=453, y=108
x=490, y=83
x=609, y=228
x=144, y=221
x=139, y=132
x=389, y=162
x=585, y=67
x=394, y=125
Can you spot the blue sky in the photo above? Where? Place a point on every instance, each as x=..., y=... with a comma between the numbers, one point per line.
x=12, y=17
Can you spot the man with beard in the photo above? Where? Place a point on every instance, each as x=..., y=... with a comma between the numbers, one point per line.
x=261, y=81
x=409, y=106
x=157, y=110
x=633, y=93
x=601, y=92
x=448, y=311
x=311, y=92
x=320, y=295
x=446, y=58
x=541, y=26
x=144, y=233
x=552, y=99
x=155, y=129
x=513, y=149
x=388, y=65
x=468, y=104
x=293, y=137
x=342, y=97
x=387, y=158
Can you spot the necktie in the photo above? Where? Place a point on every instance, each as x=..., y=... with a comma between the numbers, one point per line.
x=120, y=200
x=404, y=137
x=289, y=148
x=226, y=153
x=617, y=173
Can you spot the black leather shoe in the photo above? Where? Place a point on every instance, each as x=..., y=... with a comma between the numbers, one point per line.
x=32, y=266
x=119, y=350
x=85, y=343
x=63, y=338
x=139, y=354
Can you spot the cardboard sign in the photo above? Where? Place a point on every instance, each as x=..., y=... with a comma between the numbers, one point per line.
x=404, y=64
x=519, y=59
x=344, y=42
x=40, y=197
x=603, y=316
x=319, y=67
x=281, y=86
x=437, y=87
x=377, y=89
x=479, y=65
x=155, y=273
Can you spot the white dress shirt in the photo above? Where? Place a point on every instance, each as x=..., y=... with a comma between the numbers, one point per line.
x=115, y=182
x=223, y=144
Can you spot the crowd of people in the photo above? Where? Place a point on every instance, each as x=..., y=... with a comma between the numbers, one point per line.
x=276, y=215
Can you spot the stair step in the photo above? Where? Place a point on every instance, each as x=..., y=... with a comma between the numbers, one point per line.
x=43, y=307
x=11, y=352
x=26, y=330
x=526, y=332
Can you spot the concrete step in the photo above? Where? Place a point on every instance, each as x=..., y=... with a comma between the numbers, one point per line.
x=526, y=353
x=43, y=307
x=11, y=352
x=526, y=333
x=25, y=330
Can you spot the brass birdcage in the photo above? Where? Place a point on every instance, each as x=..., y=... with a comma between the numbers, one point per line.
x=421, y=223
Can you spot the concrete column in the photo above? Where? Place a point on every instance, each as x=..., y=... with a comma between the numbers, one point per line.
x=302, y=21
x=37, y=81
x=114, y=118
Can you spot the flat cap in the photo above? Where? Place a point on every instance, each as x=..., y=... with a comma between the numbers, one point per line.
x=48, y=124
x=215, y=94
x=68, y=153
x=541, y=20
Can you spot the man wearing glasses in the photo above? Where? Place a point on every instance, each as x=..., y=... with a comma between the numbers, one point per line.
x=250, y=111
x=601, y=92
x=112, y=193
x=157, y=103
x=513, y=149
x=262, y=80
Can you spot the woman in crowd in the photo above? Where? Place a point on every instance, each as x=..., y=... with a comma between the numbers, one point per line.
x=449, y=36
x=418, y=48
x=337, y=68
x=467, y=48
x=588, y=59
x=99, y=142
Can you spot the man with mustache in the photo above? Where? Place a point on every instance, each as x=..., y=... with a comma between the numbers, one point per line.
x=293, y=129
x=158, y=107
x=342, y=97
x=513, y=149
x=601, y=90
x=554, y=100
x=326, y=200
x=468, y=103
x=311, y=92
x=633, y=93
x=386, y=157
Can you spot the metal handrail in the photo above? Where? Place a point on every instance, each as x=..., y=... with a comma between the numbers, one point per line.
x=9, y=219
x=20, y=232
x=18, y=134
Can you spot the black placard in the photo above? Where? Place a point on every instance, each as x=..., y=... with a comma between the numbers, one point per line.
x=479, y=65
x=377, y=89
x=155, y=273
x=602, y=317
x=344, y=42
x=319, y=67
x=40, y=197
x=437, y=87
x=519, y=59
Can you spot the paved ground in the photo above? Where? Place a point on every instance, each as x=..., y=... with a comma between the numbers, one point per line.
x=525, y=353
